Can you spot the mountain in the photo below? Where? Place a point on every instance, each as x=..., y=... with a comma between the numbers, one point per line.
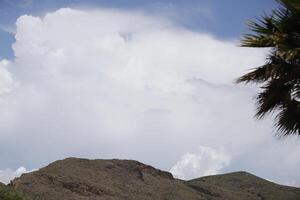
x=84, y=179
x=243, y=185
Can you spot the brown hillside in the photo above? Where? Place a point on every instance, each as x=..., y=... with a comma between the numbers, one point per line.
x=84, y=179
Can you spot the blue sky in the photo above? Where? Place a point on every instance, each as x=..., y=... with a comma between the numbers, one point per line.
x=224, y=19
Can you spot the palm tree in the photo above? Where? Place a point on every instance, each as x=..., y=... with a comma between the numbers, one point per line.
x=279, y=77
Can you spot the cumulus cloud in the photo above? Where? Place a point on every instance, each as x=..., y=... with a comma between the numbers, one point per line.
x=7, y=175
x=113, y=83
x=207, y=161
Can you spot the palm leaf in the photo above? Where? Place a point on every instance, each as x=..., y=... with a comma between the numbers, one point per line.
x=279, y=77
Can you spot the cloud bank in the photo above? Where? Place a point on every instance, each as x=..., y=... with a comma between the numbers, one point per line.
x=7, y=175
x=114, y=83
x=206, y=161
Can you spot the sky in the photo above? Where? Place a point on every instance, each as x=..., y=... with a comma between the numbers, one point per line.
x=135, y=80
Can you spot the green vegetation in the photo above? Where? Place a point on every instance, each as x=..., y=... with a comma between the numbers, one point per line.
x=279, y=77
x=8, y=194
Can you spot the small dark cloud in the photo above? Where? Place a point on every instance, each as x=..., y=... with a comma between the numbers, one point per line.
x=157, y=111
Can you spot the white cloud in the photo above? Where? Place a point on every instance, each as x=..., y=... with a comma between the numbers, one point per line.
x=111, y=83
x=7, y=175
x=207, y=161
x=6, y=80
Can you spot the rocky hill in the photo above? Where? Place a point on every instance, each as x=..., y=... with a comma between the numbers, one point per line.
x=83, y=179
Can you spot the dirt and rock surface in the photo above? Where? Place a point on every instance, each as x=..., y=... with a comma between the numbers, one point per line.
x=83, y=179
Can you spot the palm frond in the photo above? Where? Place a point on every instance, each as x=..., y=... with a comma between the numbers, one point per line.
x=279, y=77
x=275, y=94
x=275, y=68
x=288, y=119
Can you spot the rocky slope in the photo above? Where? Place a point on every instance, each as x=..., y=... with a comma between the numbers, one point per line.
x=84, y=179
